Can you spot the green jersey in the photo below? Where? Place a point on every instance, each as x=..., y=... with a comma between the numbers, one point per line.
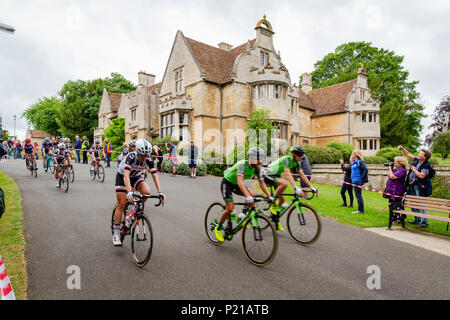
x=241, y=168
x=277, y=167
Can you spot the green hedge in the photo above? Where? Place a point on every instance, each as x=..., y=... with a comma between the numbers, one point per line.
x=389, y=153
x=183, y=168
x=322, y=155
x=375, y=160
x=345, y=148
x=441, y=188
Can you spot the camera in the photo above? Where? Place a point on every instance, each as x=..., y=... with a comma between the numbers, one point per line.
x=390, y=164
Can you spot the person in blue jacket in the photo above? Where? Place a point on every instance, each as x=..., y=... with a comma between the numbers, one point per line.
x=359, y=177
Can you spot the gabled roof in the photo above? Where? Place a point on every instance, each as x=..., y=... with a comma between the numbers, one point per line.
x=155, y=87
x=305, y=101
x=215, y=62
x=115, y=99
x=40, y=134
x=331, y=99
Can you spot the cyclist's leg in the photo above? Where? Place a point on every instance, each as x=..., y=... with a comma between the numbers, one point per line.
x=27, y=160
x=142, y=186
x=121, y=196
x=281, y=185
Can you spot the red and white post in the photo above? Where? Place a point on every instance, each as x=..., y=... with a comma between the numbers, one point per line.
x=6, y=290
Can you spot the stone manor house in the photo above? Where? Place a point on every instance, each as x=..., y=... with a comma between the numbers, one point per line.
x=206, y=87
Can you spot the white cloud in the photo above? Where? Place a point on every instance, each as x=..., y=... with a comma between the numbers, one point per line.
x=61, y=40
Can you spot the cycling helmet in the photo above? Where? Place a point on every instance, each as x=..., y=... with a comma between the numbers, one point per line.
x=257, y=153
x=132, y=143
x=47, y=139
x=143, y=147
x=61, y=146
x=27, y=140
x=297, y=150
x=96, y=141
x=67, y=140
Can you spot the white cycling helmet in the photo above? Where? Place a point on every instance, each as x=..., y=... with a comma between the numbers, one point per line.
x=257, y=154
x=61, y=146
x=132, y=143
x=143, y=147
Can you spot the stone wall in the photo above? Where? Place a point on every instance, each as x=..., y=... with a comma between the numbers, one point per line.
x=378, y=174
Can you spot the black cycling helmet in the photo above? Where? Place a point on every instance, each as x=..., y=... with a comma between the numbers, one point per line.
x=297, y=150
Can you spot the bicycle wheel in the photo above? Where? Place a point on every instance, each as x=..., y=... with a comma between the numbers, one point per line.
x=141, y=240
x=101, y=174
x=52, y=167
x=65, y=180
x=211, y=218
x=34, y=172
x=71, y=174
x=260, y=245
x=305, y=226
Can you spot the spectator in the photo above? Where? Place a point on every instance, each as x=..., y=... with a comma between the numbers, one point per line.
x=19, y=150
x=158, y=154
x=345, y=186
x=192, y=159
x=359, y=177
x=172, y=149
x=85, y=148
x=418, y=180
x=10, y=148
x=3, y=149
x=395, y=185
x=107, y=151
x=306, y=167
x=78, y=148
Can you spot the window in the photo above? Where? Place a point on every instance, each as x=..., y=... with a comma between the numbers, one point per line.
x=375, y=144
x=262, y=91
x=277, y=92
x=133, y=115
x=358, y=117
x=167, y=124
x=374, y=117
x=364, y=145
x=371, y=144
x=179, y=80
x=370, y=116
x=363, y=117
x=359, y=145
x=270, y=91
x=255, y=92
x=263, y=59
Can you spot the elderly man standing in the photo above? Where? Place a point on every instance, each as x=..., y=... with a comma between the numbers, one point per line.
x=418, y=180
x=192, y=159
x=77, y=148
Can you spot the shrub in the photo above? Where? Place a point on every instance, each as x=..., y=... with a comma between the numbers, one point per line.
x=441, y=144
x=345, y=148
x=183, y=168
x=389, y=153
x=161, y=142
x=441, y=188
x=116, y=153
x=322, y=155
x=375, y=160
x=215, y=163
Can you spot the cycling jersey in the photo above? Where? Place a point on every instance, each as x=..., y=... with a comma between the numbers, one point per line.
x=124, y=153
x=28, y=149
x=55, y=146
x=96, y=149
x=132, y=164
x=46, y=148
x=277, y=167
x=61, y=155
x=241, y=168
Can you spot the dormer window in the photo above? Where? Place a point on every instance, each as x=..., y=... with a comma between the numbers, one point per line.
x=178, y=80
x=263, y=59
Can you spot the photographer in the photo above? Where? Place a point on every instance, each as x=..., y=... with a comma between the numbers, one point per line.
x=418, y=180
x=172, y=149
x=345, y=186
x=395, y=185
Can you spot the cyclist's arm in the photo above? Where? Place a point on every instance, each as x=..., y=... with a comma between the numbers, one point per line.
x=308, y=183
x=126, y=180
x=288, y=174
x=242, y=187
x=263, y=186
x=156, y=181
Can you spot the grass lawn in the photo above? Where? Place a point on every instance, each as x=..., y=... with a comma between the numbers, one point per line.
x=445, y=162
x=12, y=243
x=375, y=207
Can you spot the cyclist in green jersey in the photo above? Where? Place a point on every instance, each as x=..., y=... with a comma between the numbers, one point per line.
x=233, y=182
x=272, y=176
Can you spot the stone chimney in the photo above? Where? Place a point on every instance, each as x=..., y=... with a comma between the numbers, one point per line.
x=225, y=46
x=145, y=79
x=306, y=82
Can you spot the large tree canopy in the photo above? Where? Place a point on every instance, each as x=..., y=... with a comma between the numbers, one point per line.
x=74, y=111
x=441, y=119
x=400, y=113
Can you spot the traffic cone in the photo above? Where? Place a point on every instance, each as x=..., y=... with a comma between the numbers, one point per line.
x=6, y=290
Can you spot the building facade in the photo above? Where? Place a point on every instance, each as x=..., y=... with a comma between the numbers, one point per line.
x=207, y=94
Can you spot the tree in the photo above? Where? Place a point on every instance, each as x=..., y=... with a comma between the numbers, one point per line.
x=441, y=118
x=441, y=144
x=41, y=115
x=80, y=100
x=116, y=132
x=259, y=120
x=388, y=82
x=5, y=134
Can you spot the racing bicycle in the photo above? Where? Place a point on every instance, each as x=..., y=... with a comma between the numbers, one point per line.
x=49, y=164
x=32, y=165
x=63, y=177
x=140, y=228
x=259, y=238
x=97, y=170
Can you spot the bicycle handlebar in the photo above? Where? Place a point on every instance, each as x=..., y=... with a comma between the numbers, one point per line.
x=143, y=196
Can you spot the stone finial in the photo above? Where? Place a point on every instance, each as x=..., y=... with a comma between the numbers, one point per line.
x=264, y=22
x=362, y=70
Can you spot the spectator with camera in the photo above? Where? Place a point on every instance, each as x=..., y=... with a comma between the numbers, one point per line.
x=345, y=186
x=418, y=180
x=395, y=185
x=359, y=176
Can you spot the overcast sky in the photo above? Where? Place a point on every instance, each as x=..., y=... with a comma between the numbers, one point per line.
x=58, y=41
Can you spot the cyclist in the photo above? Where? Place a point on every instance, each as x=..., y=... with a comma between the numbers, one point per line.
x=129, y=178
x=68, y=148
x=272, y=176
x=46, y=149
x=56, y=142
x=131, y=147
x=95, y=149
x=29, y=149
x=61, y=159
x=233, y=182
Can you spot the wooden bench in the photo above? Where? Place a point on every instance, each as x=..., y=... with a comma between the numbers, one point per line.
x=425, y=203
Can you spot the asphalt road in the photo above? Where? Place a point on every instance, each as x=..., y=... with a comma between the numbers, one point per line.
x=73, y=229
